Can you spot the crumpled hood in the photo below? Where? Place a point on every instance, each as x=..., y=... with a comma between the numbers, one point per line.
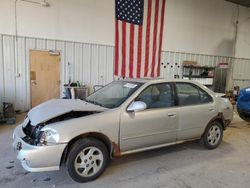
x=56, y=107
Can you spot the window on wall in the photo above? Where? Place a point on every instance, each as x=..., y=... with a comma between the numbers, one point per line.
x=188, y=94
x=157, y=96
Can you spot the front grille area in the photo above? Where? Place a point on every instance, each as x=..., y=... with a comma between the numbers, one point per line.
x=32, y=133
x=28, y=129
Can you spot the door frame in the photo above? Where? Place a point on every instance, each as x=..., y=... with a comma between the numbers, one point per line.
x=29, y=99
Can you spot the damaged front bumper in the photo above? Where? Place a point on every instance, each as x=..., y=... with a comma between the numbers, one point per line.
x=37, y=158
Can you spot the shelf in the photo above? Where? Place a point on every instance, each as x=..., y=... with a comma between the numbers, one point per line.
x=198, y=67
x=76, y=87
x=197, y=76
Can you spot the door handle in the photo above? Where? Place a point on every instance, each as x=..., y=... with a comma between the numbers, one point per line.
x=172, y=115
x=33, y=82
x=211, y=109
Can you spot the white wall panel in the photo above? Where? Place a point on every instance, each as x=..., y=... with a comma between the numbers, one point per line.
x=171, y=63
x=241, y=69
x=94, y=69
x=102, y=60
x=196, y=26
x=61, y=47
x=109, y=65
x=30, y=43
x=2, y=86
x=241, y=83
x=90, y=64
x=51, y=44
x=86, y=67
x=69, y=61
x=21, y=76
x=40, y=44
x=9, y=68
x=78, y=61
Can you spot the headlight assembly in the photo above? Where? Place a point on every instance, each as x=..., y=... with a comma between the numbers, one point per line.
x=48, y=136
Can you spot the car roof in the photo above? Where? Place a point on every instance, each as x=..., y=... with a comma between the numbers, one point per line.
x=155, y=80
x=149, y=81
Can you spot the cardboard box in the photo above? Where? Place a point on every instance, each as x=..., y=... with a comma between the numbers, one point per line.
x=190, y=63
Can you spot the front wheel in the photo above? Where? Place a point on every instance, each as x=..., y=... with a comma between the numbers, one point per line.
x=87, y=160
x=212, y=137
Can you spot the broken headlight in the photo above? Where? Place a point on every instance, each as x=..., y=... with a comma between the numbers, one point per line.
x=48, y=136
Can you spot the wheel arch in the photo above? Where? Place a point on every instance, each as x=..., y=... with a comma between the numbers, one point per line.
x=99, y=136
x=218, y=118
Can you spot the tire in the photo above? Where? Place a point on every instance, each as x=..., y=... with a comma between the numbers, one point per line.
x=213, y=135
x=87, y=160
x=244, y=115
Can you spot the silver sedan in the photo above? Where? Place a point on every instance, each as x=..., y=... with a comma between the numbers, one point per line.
x=123, y=117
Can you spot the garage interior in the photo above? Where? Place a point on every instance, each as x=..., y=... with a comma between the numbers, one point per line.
x=203, y=40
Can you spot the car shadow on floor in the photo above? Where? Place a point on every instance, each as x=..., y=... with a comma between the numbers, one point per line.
x=160, y=160
x=195, y=146
x=168, y=159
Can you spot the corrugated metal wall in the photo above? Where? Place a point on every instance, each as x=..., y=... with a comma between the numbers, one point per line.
x=88, y=63
x=172, y=62
x=172, y=65
x=241, y=73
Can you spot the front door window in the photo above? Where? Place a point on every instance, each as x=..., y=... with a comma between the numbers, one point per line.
x=157, y=96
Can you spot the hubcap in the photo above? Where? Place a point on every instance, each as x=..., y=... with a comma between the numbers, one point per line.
x=89, y=161
x=214, y=135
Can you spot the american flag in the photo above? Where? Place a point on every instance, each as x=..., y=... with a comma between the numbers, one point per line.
x=138, y=40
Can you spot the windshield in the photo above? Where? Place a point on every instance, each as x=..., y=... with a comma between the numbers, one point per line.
x=113, y=94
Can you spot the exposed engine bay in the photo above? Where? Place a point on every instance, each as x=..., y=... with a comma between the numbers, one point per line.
x=33, y=133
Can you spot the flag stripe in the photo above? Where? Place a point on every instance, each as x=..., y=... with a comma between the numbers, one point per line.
x=120, y=48
x=139, y=54
x=151, y=39
x=143, y=49
x=157, y=39
x=116, y=47
x=127, y=49
x=154, y=36
x=131, y=51
x=135, y=51
x=124, y=49
x=147, y=38
x=161, y=34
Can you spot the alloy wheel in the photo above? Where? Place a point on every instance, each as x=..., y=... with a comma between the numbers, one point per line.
x=89, y=161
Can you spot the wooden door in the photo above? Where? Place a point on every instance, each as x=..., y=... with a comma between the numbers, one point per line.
x=44, y=76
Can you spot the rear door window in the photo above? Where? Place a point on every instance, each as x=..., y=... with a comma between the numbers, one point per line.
x=189, y=94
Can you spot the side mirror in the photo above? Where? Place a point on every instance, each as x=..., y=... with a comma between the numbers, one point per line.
x=137, y=106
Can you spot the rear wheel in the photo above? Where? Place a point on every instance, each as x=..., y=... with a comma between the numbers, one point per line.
x=87, y=159
x=212, y=137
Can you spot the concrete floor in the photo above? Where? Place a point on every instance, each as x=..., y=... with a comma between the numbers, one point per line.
x=186, y=165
